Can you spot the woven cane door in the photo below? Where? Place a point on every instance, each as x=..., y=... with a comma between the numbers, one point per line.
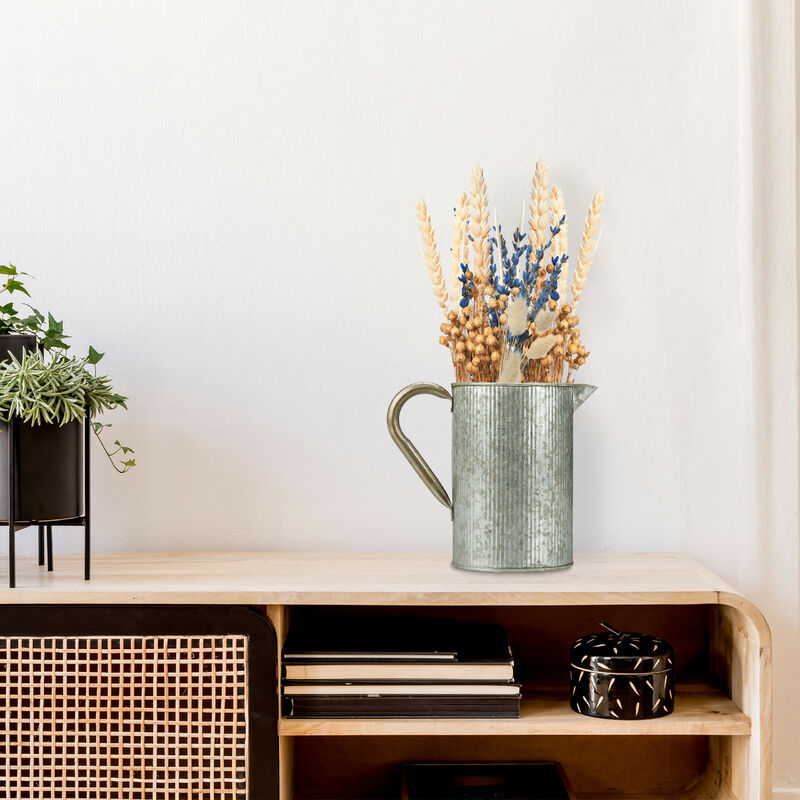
x=137, y=704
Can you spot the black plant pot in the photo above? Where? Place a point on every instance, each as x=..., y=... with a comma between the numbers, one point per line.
x=49, y=461
x=49, y=470
x=16, y=344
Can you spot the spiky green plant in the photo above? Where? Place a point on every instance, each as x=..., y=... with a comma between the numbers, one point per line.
x=57, y=391
x=45, y=389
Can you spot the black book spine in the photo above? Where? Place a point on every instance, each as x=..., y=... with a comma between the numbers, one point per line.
x=408, y=707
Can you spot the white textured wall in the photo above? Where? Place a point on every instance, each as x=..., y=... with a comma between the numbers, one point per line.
x=220, y=195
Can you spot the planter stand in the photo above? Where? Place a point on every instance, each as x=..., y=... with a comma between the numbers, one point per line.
x=46, y=527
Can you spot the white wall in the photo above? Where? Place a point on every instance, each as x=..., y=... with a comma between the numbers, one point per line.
x=220, y=195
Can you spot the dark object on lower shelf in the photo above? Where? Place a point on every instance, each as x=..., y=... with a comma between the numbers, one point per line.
x=532, y=781
x=617, y=675
x=402, y=707
x=45, y=481
x=161, y=701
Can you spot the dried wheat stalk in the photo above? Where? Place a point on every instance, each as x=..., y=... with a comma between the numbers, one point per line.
x=458, y=241
x=558, y=212
x=431, y=253
x=539, y=216
x=588, y=247
x=479, y=227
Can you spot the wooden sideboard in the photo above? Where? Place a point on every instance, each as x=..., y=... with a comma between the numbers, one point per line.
x=716, y=744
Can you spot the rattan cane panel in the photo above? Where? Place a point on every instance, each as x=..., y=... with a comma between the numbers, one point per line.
x=134, y=718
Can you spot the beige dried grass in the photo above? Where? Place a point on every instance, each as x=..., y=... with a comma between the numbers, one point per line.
x=545, y=320
x=517, y=316
x=511, y=367
x=540, y=347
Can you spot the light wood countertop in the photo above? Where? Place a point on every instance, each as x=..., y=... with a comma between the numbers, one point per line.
x=265, y=578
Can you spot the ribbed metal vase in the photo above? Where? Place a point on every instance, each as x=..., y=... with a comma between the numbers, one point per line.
x=512, y=475
x=512, y=472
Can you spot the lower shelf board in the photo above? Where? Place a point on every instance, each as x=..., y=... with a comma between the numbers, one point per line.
x=700, y=710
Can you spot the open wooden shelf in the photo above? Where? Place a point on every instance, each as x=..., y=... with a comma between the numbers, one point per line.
x=597, y=767
x=699, y=710
x=715, y=746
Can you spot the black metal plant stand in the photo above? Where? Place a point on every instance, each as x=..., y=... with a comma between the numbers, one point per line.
x=46, y=528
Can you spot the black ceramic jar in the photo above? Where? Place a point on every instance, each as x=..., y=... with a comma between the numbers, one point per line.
x=617, y=675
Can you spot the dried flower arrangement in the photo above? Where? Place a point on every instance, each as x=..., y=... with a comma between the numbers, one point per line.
x=508, y=318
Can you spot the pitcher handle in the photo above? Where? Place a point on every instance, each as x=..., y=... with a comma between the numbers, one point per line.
x=404, y=443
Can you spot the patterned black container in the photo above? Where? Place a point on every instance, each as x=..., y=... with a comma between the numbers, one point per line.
x=622, y=676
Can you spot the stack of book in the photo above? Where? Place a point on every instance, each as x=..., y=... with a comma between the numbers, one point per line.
x=389, y=668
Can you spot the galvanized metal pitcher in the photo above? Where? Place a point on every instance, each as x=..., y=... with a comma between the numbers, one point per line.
x=512, y=471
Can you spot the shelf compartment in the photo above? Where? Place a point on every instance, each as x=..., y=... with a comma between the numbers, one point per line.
x=611, y=768
x=700, y=710
x=715, y=745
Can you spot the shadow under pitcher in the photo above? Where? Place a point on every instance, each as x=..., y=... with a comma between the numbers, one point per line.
x=512, y=471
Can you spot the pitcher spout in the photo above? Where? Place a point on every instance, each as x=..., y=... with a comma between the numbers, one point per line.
x=581, y=393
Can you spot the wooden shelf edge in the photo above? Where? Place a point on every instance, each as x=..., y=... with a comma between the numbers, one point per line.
x=399, y=579
x=699, y=711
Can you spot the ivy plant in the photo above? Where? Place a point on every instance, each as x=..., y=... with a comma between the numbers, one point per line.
x=49, y=332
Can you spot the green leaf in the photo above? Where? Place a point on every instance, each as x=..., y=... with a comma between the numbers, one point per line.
x=53, y=326
x=98, y=426
x=123, y=447
x=94, y=357
x=51, y=342
x=130, y=463
x=9, y=270
x=13, y=285
x=36, y=313
x=118, y=399
x=8, y=308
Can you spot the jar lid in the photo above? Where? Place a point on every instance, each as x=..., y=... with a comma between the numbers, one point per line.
x=621, y=652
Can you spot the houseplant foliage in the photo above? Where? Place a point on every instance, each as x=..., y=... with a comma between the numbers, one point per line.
x=509, y=315
x=46, y=386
